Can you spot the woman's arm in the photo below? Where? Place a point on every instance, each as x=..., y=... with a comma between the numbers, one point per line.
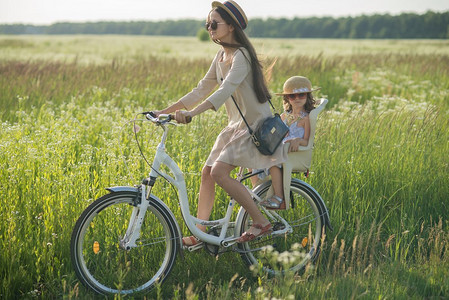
x=172, y=108
x=238, y=72
x=190, y=100
x=182, y=116
x=240, y=69
x=204, y=87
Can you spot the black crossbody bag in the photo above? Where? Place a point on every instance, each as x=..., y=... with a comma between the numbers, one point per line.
x=269, y=134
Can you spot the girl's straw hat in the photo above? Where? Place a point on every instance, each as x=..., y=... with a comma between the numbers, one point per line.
x=296, y=85
x=234, y=10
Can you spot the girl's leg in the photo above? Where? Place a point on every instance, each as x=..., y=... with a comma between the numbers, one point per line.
x=254, y=179
x=276, y=181
x=275, y=201
x=220, y=172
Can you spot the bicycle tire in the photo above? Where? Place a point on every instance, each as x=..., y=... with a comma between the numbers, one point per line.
x=291, y=252
x=103, y=266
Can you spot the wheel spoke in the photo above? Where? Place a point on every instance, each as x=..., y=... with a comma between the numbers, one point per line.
x=99, y=261
x=292, y=250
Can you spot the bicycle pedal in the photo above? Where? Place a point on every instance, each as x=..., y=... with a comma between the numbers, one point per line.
x=278, y=226
x=280, y=231
x=194, y=247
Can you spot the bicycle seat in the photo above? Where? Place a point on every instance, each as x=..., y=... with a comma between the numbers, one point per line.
x=301, y=160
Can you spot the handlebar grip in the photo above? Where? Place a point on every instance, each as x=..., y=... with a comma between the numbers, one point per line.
x=188, y=118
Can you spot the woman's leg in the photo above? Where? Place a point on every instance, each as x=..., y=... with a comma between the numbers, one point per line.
x=220, y=172
x=206, y=197
x=205, y=203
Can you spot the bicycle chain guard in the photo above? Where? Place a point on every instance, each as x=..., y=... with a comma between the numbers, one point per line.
x=215, y=250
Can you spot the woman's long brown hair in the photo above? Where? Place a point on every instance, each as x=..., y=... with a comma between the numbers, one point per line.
x=259, y=83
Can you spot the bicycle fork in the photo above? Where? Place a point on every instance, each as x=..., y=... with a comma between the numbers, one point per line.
x=135, y=223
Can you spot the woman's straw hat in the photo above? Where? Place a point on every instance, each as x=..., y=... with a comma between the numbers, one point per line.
x=296, y=85
x=234, y=10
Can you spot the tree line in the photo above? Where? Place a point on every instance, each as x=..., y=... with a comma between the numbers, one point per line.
x=430, y=25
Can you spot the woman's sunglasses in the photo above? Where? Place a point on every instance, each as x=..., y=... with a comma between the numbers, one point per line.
x=213, y=25
x=293, y=96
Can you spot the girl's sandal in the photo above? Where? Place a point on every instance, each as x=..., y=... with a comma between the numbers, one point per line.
x=274, y=202
x=189, y=241
x=247, y=236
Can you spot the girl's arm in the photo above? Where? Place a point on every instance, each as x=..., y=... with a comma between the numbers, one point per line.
x=296, y=142
x=283, y=116
x=306, y=130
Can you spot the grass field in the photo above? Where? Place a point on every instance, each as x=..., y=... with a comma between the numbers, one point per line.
x=380, y=160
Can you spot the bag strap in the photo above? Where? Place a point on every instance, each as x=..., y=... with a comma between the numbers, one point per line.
x=249, y=128
x=251, y=132
x=269, y=99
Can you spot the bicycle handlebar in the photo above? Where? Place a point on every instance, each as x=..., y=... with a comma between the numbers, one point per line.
x=162, y=118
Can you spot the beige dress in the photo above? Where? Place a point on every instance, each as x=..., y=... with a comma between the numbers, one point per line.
x=233, y=145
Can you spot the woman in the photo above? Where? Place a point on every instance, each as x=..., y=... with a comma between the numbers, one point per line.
x=237, y=71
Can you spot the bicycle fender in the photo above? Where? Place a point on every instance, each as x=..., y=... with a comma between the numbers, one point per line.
x=155, y=201
x=116, y=189
x=318, y=200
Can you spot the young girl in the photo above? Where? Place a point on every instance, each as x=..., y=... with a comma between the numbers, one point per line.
x=298, y=102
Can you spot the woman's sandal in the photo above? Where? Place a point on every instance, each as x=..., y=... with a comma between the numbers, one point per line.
x=189, y=241
x=247, y=236
x=274, y=202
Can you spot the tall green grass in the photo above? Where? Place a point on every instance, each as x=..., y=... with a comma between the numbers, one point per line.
x=380, y=163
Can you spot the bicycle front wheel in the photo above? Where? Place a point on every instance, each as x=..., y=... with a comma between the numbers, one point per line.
x=99, y=261
x=293, y=250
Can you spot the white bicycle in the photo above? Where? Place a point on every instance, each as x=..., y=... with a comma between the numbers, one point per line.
x=127, y=241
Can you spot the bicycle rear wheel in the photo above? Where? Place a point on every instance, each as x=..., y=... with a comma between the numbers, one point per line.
x=99, y=261
x=291, y=251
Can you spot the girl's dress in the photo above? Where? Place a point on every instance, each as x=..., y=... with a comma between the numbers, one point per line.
x=234, y=145
x=294, y=132
x=292, y=123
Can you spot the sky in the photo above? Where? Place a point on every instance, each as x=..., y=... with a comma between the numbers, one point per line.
x=46, y=12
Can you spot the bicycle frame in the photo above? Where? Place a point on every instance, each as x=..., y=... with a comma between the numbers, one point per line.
x=152, y=224
x=162, y=158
